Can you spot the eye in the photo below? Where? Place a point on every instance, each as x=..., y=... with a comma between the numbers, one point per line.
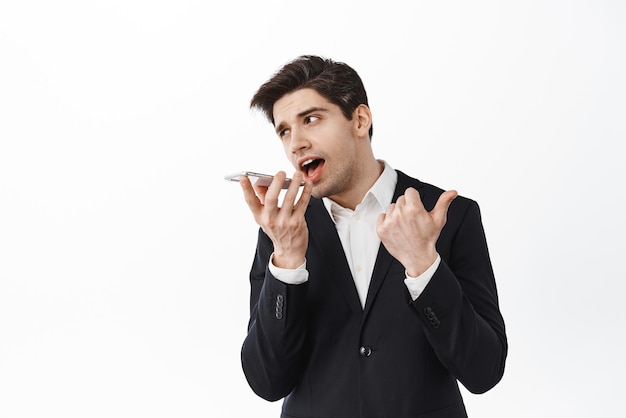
x=310, y=119
x=283, y=133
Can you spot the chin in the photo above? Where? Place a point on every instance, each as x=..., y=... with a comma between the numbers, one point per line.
x=319, y=191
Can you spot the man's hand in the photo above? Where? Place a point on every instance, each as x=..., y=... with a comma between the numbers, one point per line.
x=410, y=233
x=285, y=225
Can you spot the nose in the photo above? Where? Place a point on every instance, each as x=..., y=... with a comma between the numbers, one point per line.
x=298, y=140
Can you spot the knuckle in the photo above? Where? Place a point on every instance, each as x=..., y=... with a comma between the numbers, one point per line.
x=271, y=200
x=268, y=221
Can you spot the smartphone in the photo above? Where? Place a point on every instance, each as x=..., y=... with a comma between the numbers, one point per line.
x=258, y=179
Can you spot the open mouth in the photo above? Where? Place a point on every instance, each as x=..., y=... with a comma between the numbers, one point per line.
x=312, y=168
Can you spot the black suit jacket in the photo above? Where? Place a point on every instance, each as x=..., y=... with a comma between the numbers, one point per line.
x=314, y=345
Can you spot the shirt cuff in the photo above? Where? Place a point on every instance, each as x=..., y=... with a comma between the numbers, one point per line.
x=416, y=285
x=289, y=276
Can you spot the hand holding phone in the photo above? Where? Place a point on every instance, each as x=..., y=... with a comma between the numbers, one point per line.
x=283, y=219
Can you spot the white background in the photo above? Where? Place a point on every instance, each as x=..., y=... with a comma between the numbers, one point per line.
x=124, y=254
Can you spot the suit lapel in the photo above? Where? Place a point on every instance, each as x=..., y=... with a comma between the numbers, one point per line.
x=328, y=244
x=324, y=237
x=383, y=261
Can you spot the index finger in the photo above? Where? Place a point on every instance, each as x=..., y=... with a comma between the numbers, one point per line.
x=412, y=197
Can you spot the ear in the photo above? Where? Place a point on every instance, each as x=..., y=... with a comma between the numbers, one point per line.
x=362, y=118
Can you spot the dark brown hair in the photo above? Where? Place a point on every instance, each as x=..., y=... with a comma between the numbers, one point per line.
x=336, y=81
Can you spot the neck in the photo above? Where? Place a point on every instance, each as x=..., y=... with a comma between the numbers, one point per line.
x=368, y=175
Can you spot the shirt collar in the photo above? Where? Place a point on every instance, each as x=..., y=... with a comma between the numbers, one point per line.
x=382, y=193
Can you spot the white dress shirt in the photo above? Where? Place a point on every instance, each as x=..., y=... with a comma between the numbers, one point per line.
x=357, y=232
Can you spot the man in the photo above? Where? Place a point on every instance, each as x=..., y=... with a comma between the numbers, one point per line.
x=372, y=293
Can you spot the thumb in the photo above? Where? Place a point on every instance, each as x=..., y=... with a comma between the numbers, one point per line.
x=440, y=210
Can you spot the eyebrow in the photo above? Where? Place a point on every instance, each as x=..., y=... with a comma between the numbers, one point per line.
x=302, y=114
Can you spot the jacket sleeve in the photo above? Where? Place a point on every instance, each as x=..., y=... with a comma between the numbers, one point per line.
x=272, y=352
x=459, y=307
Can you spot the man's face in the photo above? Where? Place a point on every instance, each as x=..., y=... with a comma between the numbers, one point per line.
x=318, y=140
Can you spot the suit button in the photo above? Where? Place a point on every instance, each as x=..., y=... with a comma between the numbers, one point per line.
x=434, y=321
x=280, y=302
x=365, y=351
